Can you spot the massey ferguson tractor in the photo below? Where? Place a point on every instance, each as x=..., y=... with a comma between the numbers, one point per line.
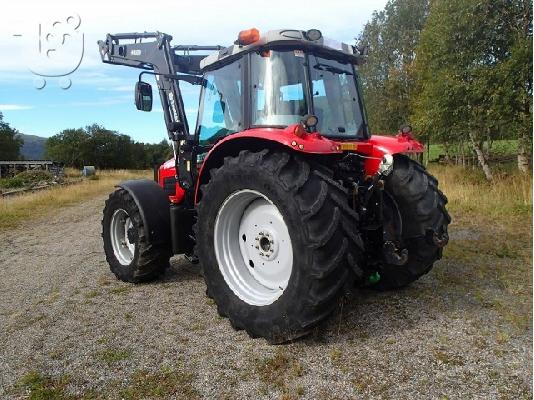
x=280, y=191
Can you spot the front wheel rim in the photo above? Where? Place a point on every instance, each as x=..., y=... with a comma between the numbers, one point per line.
x=253, y=247
x=123, y=249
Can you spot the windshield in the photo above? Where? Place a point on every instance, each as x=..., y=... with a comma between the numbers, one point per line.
x=221, y=104
x=277, y=84
x=335, y=98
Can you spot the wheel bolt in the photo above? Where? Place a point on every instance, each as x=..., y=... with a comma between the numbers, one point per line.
x=261, y=254
x=257, y=247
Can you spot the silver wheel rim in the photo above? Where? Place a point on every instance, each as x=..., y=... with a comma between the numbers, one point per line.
x=253, y=247
x=123, y=249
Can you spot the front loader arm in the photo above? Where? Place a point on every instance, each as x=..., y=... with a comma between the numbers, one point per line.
x=157, y=55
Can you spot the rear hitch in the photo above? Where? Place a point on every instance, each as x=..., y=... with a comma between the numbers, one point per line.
x=392, y=255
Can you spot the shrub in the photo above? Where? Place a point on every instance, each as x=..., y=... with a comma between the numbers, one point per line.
x=26, y=178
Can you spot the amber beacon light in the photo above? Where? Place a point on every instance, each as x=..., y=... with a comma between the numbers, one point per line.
x=248, y=36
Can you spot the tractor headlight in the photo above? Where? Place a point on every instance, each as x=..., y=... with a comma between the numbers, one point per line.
x=386, y=165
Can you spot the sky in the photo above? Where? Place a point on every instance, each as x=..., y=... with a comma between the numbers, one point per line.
x=38, y=39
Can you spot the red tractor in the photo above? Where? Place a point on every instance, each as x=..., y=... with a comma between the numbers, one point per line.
x=279, y=191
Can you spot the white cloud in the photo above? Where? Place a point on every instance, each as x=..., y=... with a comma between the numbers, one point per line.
x=14, y=107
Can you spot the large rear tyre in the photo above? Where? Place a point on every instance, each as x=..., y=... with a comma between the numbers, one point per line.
x=128, y=254
x=413, y=195
x=272, y=243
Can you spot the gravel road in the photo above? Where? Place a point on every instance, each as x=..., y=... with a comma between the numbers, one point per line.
x=69, y=329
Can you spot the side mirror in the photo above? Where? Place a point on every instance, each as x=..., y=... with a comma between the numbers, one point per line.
x=218, y=112
x=143, y=96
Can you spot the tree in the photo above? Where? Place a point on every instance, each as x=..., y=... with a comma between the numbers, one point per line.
x=109, y=149
x=70, y=147
x=10, y=142
x=105, y=149
x=513, y=79
x=388, y=76
x=466, y=72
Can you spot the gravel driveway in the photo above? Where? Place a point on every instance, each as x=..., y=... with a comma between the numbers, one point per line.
x=68, y=329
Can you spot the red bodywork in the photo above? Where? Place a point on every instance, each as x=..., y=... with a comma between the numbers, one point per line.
x=295, y=138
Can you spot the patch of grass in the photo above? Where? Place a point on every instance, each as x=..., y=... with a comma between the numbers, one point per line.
x=120, y=289
x=53, y=296
x=279, y=371
x=447, y=358
x=15, y=209
x=197, y=327
x=361, y=381
x=40, y=387
x=502, y=337
x=91, y=294
x=335, y=354
x=103, y=281
x=164, y=384
x=110, y=356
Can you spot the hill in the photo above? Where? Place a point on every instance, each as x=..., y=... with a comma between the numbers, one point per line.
x=34, y=147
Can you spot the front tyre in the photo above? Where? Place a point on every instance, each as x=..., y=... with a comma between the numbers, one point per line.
x=128, y=254
x=414, y=197
x=270, y=238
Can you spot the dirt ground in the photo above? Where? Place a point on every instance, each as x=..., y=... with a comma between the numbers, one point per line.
x=69, y=329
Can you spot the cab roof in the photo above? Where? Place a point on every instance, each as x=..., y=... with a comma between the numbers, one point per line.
x=291, y=38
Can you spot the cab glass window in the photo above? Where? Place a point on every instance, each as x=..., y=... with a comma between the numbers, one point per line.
x=277, y=88
x=220, y=111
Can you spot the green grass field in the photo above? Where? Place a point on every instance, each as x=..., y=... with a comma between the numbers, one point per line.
x=498, y=147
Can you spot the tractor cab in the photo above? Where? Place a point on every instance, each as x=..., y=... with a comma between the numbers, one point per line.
x=276, y=81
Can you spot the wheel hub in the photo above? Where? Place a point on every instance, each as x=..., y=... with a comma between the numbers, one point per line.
x=266, y=245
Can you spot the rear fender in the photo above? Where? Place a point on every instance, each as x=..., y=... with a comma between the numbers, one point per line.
x=153, y=204
x=261, y=138
x=377, y=146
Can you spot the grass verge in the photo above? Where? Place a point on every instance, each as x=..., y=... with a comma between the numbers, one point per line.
x=14, y=210
x=493, y=242
x=507, y=200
